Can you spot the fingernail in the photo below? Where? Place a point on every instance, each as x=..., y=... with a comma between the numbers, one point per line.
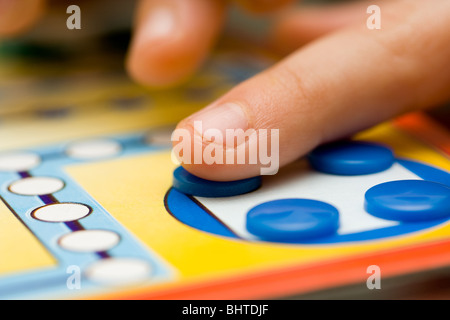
x=228, y=116
x=159, y=24
x=215, y=121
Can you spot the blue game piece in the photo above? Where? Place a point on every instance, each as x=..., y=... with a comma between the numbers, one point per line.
x=187, y=183
x=290, y=220
x=409, y=200
x=351, y=158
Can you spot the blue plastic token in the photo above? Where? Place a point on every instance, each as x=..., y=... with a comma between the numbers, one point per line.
x=289, y=220
x=409, y=200
x=351, y=158
x=187, y=183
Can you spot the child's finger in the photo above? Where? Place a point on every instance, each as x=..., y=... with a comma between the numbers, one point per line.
x=17, y=16
x=338, y=85
x=172, y=38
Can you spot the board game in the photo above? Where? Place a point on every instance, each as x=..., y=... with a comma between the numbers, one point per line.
x=88, y=211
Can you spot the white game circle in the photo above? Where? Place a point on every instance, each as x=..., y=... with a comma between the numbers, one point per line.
x=61, y=212
x=94, y=149
x=89, y=240
x=160, y=138
x=119, y=271
x=18, y=161
x=36, y=186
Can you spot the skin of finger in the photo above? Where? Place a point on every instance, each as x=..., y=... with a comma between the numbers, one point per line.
x=346, y=82
x=17, y=16
x=172, y=57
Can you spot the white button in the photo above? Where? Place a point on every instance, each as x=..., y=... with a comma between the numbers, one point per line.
x=36, y=186
x=61, y=212
x=119, y=271
x=18, y=161
x=94, y=149
x=89, y=240
x=159, y=137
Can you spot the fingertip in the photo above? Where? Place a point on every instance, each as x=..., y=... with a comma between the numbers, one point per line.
x=154, y=58
x=172, y=39
x=161, y=65
x=208, y=159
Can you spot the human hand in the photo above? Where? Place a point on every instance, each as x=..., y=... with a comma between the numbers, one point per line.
x=348, y=79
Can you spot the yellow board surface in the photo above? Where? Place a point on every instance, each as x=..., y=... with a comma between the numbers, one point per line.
x=20, y=250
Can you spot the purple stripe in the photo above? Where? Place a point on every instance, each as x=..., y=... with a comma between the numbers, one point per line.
x=103, y=254
x=24, y=174
x=48, y=199
x=74, y=225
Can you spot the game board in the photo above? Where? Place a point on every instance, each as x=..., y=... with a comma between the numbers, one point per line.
x=86, y=178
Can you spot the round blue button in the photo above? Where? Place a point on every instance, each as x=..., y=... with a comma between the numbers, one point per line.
x=187, y=183
x=351, y=158
x=288, y=220
x=409, y=200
